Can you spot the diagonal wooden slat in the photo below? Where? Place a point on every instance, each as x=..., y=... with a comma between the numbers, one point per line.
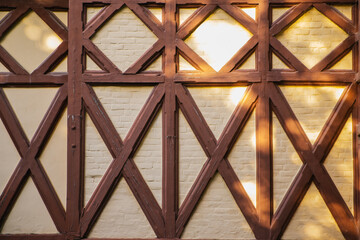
x=99, y=20
x=145, y=197
x=11, y=18
x=241, y=55
x=195, y=20
x=10, y=63
x=234, y=126
x=240, y=16
x=147, y=58
x=302, y=145
x=29, y=162
x=282, y=50
x=334, y=55
x=13, y=125
x=148, y=20
x=99, y=57
x=51, y=61
x=336, y=17
x=289, y=17
x=209, y=143
x=135, y=135
x=192, y=57
x=53, y=22
x=102, y=121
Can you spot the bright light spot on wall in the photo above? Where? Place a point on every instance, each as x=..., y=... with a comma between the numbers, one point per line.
x=33, y=32
x=237, y=94
x=338, y=92
x=52, y=42
x=250, y=11
x=253, y=140
x=250, y=189
x=313, y=231
x=218, y=39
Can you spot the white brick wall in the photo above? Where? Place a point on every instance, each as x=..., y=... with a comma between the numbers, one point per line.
x=123, y=39
x=312, y=37
x=123, y=217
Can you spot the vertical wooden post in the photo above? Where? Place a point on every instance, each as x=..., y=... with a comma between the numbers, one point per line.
x=170, y=136
x=263, y=128
x=75, y=122
x=356, y=124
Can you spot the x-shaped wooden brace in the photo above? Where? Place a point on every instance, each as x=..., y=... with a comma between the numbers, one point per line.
x=52, y=21
x=105, y=14
x=197, y=18
x=29, y=163
x=296, y=12
x=216, y=152
x=123, y=164
x=313, y=168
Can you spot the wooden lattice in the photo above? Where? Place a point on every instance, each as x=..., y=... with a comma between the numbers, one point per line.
x=170, y=94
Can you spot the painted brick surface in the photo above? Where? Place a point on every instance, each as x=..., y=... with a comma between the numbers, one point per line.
x=123, y=39
x=124, y=218
x=312, y=37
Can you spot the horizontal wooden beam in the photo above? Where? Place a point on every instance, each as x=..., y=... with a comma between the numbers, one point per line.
x=36, y=3
x=313, y=77
x=114, y=78
x=47, y=79
x=219, y=78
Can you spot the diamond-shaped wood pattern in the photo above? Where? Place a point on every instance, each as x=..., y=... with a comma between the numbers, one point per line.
x=170, y=94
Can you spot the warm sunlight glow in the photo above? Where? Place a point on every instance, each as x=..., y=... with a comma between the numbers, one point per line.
x=250, y=11
x=250, y=188
x=30, y=41
x=338, y=92
x=237, y=94
x=52, y=42
x=218, y=39
x=33, y=32
x=312, y=37
x=253, y=140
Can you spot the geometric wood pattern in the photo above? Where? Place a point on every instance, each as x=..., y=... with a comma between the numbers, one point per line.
x=169, y=96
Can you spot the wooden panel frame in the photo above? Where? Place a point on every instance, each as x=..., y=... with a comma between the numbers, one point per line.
x=170, y=94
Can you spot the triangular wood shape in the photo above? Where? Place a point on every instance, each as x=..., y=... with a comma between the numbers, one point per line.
x=249, y=63
x=185, y=13
x=156, y=65
x=250, y=11
x=91, y=12
x=185, y=65
x=345, y=10
x=345, y=63
x=277, y=63
x=91, y=65
x=157, y=12
x=63, y=16
x=62, y=66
